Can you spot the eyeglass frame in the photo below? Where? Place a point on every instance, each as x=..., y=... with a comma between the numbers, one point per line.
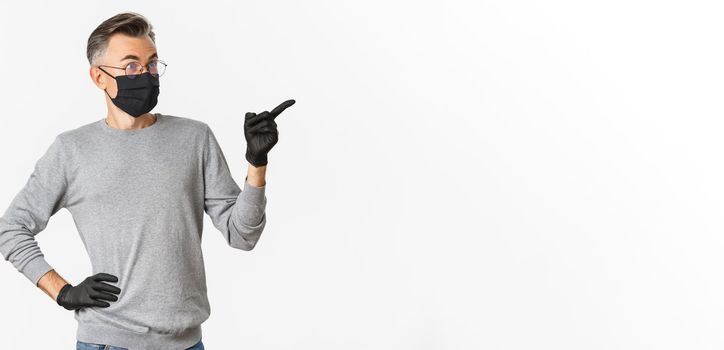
x=133, y=76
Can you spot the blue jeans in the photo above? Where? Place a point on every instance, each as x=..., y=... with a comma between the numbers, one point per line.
x=79, y=345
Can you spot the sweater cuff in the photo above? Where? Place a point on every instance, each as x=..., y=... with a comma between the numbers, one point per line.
x=252, y=194
x=35, y=269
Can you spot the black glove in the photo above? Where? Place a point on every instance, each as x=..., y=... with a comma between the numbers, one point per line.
x=260, y=131
x=89, y=292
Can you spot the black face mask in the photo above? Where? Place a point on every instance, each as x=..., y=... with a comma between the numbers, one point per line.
x=136, y=96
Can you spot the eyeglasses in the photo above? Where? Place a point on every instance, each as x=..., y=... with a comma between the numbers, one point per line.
x=156, y=68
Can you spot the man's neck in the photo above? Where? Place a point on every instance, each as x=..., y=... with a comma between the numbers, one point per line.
x=126, y=122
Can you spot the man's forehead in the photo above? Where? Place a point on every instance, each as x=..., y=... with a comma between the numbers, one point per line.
x=126, y=48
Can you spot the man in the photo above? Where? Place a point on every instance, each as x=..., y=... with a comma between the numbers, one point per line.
x=137, y=184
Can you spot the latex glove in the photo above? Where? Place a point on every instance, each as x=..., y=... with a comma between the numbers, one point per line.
x=90, y=292
x=260, y=131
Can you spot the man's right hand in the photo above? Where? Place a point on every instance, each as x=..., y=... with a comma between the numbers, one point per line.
x=90, y=292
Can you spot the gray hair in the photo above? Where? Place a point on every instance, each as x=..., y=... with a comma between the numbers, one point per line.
x=129, y=23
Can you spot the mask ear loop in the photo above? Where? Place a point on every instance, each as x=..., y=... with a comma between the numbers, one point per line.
x=114, y=78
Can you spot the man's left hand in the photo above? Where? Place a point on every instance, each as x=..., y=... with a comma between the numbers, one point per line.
x=261, y=133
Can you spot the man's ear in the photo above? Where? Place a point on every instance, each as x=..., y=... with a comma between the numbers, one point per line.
x=97, y=77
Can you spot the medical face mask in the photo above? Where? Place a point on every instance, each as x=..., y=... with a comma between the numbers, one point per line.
x=136, y=96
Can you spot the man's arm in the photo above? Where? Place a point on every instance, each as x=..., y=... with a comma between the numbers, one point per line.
x=256, y=176
x=51, y=283
x=238, y=214
x=28, y=214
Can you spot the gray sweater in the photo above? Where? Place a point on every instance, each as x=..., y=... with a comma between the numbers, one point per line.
x=137, y=198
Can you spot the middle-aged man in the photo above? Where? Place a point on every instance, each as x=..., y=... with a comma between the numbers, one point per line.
x=137, y=185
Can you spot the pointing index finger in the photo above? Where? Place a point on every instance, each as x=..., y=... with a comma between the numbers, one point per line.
x=280, y=108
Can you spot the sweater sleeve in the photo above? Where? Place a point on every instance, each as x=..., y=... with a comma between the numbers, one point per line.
x=42, y=196
x=239, y=215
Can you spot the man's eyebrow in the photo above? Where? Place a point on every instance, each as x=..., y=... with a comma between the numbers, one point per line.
x=134, y=57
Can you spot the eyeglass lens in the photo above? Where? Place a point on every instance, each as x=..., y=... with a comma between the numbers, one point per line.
x=156, y=69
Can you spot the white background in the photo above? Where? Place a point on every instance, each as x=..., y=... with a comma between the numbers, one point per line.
x=454, y=175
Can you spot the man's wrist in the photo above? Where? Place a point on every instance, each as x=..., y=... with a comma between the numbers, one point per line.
x=51, y=283
x=255, y=182
x=256, y=176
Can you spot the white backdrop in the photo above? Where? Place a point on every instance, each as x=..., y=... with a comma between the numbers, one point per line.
x=454, y=175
